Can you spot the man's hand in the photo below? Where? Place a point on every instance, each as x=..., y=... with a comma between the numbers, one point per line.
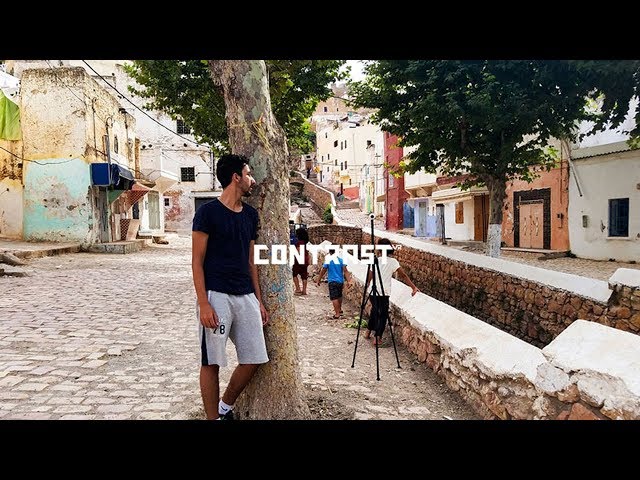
x=414, y=290
x=208, y=316
x=264, y=314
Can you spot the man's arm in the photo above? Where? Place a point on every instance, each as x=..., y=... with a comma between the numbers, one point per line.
x=408, y=281
x=253, y=269
x=208, y=316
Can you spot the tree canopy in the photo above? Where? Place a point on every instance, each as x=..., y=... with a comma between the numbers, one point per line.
x=184, y=89
x=492, y=119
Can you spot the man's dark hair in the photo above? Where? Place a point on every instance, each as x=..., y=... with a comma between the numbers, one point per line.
x=386, y=241
x=302, y=234
x=228, y=165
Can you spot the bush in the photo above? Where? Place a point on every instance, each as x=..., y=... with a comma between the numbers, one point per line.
x=327, y=216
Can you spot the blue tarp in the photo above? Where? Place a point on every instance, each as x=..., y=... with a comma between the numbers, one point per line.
x=121, y=178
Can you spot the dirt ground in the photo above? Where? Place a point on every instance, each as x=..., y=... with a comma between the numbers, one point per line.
x=337, y=391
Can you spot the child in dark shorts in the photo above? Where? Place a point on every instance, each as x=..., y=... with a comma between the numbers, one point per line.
x=334, y=264
x=300, y=269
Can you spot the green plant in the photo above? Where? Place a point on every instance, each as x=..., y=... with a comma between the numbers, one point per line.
x=327, y=216
x=354, y=324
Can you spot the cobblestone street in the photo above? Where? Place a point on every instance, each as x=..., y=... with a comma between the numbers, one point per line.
x=100, y=336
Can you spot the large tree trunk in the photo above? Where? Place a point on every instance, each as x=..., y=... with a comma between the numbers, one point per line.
x=276, y=391
x=497, y=193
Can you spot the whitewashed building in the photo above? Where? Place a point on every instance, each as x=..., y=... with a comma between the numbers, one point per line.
x=604, y=196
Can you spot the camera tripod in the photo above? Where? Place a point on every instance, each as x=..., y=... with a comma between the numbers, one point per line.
x=378, y=303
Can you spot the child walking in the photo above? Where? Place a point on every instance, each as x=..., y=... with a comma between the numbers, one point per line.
x=337, y=269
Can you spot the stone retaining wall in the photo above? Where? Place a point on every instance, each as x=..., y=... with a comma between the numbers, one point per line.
x=533, y=304
x=589, y=371
x=318, y=197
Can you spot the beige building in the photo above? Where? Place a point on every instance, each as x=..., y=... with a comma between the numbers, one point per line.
x=342, y=154
x=178, y=171
x=74, y=165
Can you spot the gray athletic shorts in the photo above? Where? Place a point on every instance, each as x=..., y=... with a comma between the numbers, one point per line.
x=240, y=320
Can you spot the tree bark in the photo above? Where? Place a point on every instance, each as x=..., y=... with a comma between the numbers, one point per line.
x=497, y=193
x=276, y=391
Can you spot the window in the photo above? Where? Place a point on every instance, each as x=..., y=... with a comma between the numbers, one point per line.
x=619, y=217
x=340, y=165
x=335, y=162
x=345, y=144
x=345, y=165
x=325, y=109
x=328, y=156
x=115, y=144
x=335, y=143
x=181, y=127
x=187, y=174
x=326, y=135
x=391, y=180
x=459, y=212
x=368, y=143
x=167, y=202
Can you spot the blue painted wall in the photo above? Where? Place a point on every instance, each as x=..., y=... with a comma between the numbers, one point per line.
x=57, y=207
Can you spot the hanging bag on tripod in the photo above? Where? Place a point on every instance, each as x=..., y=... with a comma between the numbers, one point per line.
x=379, y=316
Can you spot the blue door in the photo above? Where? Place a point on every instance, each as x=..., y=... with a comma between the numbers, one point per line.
x=407, y=216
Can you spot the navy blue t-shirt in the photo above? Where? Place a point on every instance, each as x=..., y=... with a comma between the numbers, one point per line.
x=226, y=263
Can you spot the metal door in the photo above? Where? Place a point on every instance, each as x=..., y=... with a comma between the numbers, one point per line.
x=154, y=210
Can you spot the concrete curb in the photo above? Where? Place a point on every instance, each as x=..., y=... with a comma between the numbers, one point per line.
x=45, y=252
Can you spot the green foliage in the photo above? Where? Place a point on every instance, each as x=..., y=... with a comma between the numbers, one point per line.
x=492, y=118
x=184, y=89
x=327, y=216
x=354, y=323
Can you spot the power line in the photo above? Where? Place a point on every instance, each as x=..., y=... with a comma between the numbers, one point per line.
x=136, y=106
x=35, y=161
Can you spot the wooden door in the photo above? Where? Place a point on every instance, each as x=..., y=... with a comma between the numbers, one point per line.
x=525, y=227
x=536, y=222
x=480, y=217
x=531, y=224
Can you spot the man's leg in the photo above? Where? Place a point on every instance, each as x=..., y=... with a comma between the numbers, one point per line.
x=296, y=283
x=210, y=390
x=239, y=380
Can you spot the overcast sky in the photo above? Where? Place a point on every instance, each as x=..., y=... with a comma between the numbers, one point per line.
x=356, y=69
